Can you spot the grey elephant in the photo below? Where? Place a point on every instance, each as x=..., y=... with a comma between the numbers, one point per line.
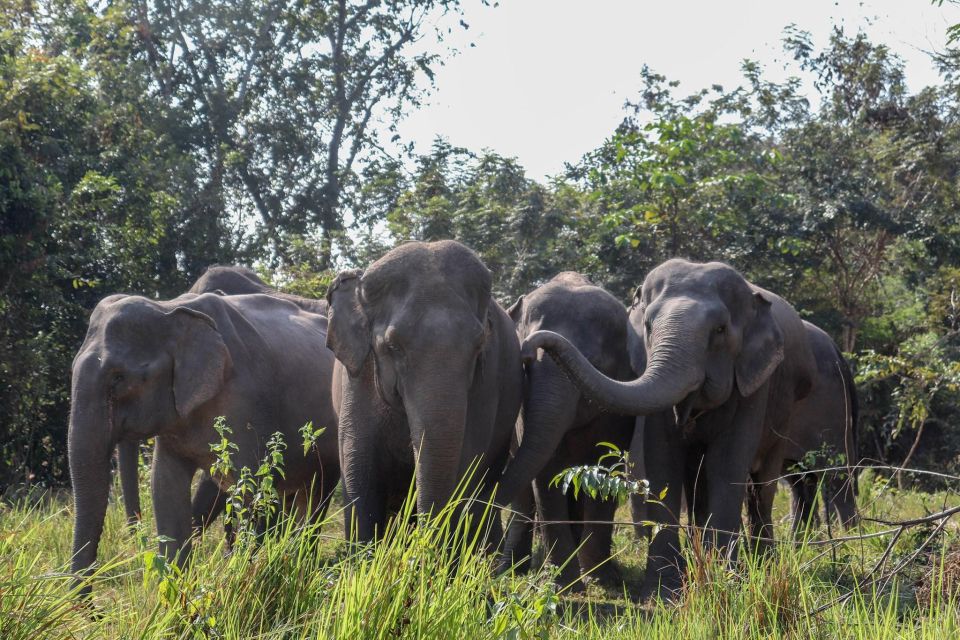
x=168, y=370
x=560, y=428
x=236, y=280
x=823, y=434
x=209, y=500
x=724, y=364
x=428, y=369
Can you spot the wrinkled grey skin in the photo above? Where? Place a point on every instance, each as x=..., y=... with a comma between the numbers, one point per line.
x=428, y=367
x=167, y=370
x=235, y=280
x=724, y=364
x=561, y=429
x=825, y=422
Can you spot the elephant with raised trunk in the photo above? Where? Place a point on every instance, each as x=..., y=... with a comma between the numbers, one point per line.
x=724, y=364
x=428, y=370
x=168, y=369
x=823, y=434
x=560, y=428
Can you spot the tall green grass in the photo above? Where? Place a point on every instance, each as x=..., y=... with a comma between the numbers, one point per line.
x=429, y=578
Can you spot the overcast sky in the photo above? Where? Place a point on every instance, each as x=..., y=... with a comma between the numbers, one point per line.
x=547, y=79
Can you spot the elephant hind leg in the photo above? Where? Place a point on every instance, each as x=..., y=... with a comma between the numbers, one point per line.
x=803, y=490
x=760, y=496
x=840, y=498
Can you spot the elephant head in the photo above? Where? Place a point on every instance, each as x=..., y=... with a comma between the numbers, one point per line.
x=143, y=369
x=416, y=322
x=697, y=332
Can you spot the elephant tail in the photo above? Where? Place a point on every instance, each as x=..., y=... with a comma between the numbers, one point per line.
x=854, y=404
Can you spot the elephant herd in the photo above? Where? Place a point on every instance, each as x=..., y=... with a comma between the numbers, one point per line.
x=715, y=386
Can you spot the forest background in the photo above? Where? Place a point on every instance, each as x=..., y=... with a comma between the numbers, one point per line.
x=141, y=141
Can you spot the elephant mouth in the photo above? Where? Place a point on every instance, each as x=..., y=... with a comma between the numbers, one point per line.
x=683, y=412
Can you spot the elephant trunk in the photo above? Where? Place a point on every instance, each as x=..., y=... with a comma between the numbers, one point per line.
x=437, y=424
x=128, y=454
x=672, y=373
x=549, y=408
x=89, y=445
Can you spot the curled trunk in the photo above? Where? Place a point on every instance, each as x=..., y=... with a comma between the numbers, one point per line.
x=547, y=414
x=671, y=375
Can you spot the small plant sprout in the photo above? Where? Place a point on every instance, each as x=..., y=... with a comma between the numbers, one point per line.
x=603, y=481
x=310, y=436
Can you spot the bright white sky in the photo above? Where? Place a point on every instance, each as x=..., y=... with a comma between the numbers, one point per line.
x=547, y=79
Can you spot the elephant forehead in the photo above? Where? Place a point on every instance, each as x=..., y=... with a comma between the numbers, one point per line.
x=677, y=271
x=436, y=321
x=131, y=321
x=418, y=265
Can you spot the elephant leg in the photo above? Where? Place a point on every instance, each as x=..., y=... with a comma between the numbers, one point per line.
x=727, y=464
x=760, y=497
x=596, y=542
x=803, y=504
x=364, y=475
x=207, y=504
x=665, y=470
x=128, y=457
x=696, y=491
x=638, y=471
x=553, y=511
x=320, y=502
x=172, y=476
x=845, y=500
x=840, y=496
x=518, y=546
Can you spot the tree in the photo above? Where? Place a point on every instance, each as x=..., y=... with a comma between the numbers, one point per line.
x=281, y=96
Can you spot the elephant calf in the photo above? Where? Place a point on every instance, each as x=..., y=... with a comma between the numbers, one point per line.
x=561, y=429
x=168, y=370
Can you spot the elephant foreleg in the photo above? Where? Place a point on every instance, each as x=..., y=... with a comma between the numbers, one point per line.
x=638, y=471
x=172, y=476
x=128, y=457
x=665, y=470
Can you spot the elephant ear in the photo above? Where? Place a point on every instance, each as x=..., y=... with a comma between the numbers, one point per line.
x=762, y=348
x=200, y=359
x=348, y=333
x=516, y=310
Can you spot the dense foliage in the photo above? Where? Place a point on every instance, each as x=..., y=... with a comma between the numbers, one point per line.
x=141, y=141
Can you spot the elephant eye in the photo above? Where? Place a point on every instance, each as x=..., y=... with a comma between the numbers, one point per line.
x=720, y=330
x=116, y=378
x=648, y=327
